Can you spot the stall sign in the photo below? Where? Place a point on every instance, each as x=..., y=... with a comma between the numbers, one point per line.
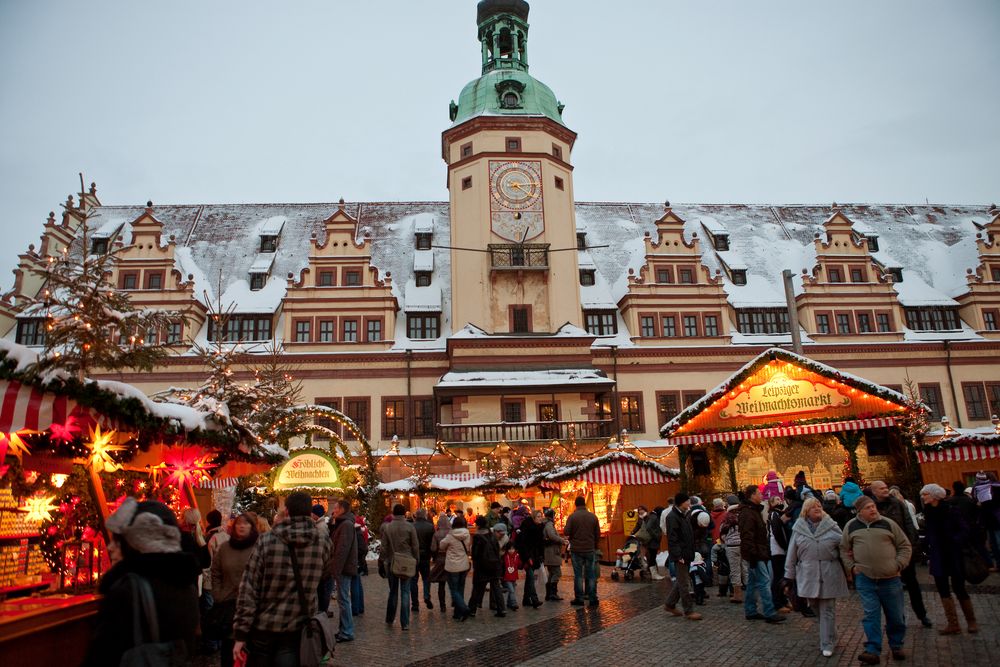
x=308, y=469
x=629, y=520
x=782, y=395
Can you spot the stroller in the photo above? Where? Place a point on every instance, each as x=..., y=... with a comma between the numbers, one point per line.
x=629, y=560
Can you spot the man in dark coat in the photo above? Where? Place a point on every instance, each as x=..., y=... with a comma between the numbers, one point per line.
x=894, y=509
x=487, y=569
x=680, y=544
x=584, y=532
x=425, y=533
x=755, y=549
x=344, y=566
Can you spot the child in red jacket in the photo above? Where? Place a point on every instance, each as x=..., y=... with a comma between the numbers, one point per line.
x=511, y=565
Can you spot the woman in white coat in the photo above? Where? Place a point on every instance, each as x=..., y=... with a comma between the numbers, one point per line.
x=813, y=560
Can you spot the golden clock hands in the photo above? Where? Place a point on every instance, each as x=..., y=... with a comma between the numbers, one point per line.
x=517, y=185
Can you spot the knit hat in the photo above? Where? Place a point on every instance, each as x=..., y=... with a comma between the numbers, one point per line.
x=830, y=494
x=500, y=527
x=981, y=476
x=862, y=502
x=732, y=499
x=681, y=498
x=148, y=527
x=718, y=503
x=549, y=513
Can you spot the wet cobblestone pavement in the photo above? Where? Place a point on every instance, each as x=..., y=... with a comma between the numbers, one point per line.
x=630, y=627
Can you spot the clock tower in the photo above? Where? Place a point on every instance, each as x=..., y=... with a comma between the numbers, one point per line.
x=513, y=231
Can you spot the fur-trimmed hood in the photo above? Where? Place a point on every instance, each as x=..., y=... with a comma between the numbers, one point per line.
x=145, y=532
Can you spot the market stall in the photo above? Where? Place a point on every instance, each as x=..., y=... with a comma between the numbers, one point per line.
x=786, y=413
x=959, y=456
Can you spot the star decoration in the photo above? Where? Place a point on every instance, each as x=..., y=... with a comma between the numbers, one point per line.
x=155, y=471
x=18, y=447
x=100, y=450
x=188, y=467
x=65, y=432
x=40, y=508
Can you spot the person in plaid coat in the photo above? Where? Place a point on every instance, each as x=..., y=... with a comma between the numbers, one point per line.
x=269, y=614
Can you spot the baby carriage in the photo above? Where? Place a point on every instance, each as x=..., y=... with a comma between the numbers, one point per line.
x=629, y=560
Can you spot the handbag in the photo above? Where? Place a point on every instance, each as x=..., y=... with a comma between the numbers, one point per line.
x=643, y=535
x=976, y=567
x=404, y=565
x=316, y=642
x=152, y=653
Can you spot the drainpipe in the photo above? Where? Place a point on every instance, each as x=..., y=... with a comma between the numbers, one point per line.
x=793, y=311
x=616, y=408
x=951, y=383
x=409, y=398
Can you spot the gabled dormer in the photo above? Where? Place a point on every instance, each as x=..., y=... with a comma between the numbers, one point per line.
x=980, y=305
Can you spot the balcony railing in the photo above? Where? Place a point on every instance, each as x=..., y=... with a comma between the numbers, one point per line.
x=519, y=256
x=524, y=432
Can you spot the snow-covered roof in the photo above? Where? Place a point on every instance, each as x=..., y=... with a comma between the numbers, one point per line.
x=422, y=299
x=423, y=260
x=263, y=263
x=521, y=379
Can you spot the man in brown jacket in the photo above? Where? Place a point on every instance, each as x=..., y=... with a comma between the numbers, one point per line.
x=755, y=549
x=584, y=533
x=398, y=537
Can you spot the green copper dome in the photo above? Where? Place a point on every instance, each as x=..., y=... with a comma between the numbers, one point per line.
x=506, y=92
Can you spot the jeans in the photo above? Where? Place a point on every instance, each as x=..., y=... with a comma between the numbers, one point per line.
x=510, y=587
x=273, y=649
x=344, y=602
x=325, y=591
x=585, y=576
x=423, y=572
x=456, y=584
x=404, y=593
x=680, y=589
x=758, y=585
x=357, y=596
x=878, y=595
x=530, y=594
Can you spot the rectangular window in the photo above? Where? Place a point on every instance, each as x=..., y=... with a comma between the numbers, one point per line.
x=393, y=418
x=325, y=279
x=352, y=278
x=241, y=329
x=269, y=244
x=422, y=326
x=174, y=330
x=467, y=150
x=834, y=275
x=822, y=323
x=587, y=277
x=647, y=326
x=872, y=243
x=150, y=337
x=720, y=242
x=512, y=411
x=668, y=404
x=327, y=422
x=560, y=185
x=98, y=246
x=600, y=324
x=993, y=397
x=423, y=241
x=995, y=273
x=669, y=323
x=130, y=280
x=664, y=276
x=975, y=400
x=350, y=331
x=739, y=277
x=763, y=321
x=374, y=331
x=520, y=319
x=883, y=322
x=357, y=410
x=303, y=331
x=692, y=397
x=467, y=183
x=864, y=323
x=31, y=332
x=326, y=329
x=857, y=274
x=423, y=418
x=690, y=325
x=257, y=280
x=154, y=280
x=631, y=412
x=423, y=279
x=513, y=144
x=557, y=151
x=990, y=319
x=711, y=325
x=930, y=394
x=843, y=323
x=685, y=276
x=932, y=319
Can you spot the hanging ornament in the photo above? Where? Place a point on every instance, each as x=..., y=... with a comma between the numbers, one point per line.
x=39, y=508
x=100, y=450
x=65, y=433
x=17, y=446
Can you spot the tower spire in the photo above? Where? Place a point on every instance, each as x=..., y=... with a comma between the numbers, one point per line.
x=503, y=33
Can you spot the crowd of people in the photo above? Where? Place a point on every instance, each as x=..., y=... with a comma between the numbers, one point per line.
x=777, y=549
x=246, y=589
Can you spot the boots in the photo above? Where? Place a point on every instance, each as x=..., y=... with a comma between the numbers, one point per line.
x=970, y=615
x=548, y=592
x=737, y=597
x=555, y=592
x=723, y=589
x=953, y=628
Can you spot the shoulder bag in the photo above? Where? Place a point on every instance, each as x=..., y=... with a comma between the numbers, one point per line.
x=404, y=565
x=975, y=566
x=316, y=642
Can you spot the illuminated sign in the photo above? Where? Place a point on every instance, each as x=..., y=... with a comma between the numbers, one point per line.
x=783, y=396
x=308, y=469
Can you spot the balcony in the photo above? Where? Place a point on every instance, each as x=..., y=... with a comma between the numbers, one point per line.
x=519, y=256
x=474, y=435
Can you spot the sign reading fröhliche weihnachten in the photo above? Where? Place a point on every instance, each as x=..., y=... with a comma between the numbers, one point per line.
x=308, y=469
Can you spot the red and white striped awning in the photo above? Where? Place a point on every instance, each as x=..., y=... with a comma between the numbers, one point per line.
x=960, y=453
x=623, y=472
x=220, y=483
x=26, y=407
x=783, y=431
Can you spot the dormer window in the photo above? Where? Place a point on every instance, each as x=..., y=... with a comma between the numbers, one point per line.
x=720, y=242
x=510, y=100
x=257, y=281
x=99, y=246
x=423, y=241
x=269, y=243
x=872, y=243
x=423, y=279
x=587, y=277
x=581, y=240
x=897, y=275
x=739, y=276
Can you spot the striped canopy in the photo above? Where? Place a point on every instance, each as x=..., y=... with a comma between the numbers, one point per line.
x=783, y=431
x=960, y=453
x=26, y=407
x=623, y=472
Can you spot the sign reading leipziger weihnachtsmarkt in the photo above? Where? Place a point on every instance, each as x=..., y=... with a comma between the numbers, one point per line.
x=308, y=469
x=782, y=395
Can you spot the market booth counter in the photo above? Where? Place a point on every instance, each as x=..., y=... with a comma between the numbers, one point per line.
x=51, y=630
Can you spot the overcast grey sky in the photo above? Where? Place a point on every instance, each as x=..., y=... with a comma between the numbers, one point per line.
x=893, y=101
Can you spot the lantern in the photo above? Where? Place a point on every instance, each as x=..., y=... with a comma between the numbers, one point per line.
x=81, y=561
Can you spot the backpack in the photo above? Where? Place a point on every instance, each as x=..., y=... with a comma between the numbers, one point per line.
x=730, y=529
x=653, y=527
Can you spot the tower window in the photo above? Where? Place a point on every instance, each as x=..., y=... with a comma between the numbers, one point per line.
x=822, y=323
x=559, y=184
x=510, y=100
x=374, y=331
x=557, y=151
x=834, y=275
x=467, y=182
x=513, y=144
x=467, y=150
x=686, y=276
x=130, y=280
x=665, y=276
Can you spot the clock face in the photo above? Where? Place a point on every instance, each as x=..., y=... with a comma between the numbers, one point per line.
x=516, y=199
